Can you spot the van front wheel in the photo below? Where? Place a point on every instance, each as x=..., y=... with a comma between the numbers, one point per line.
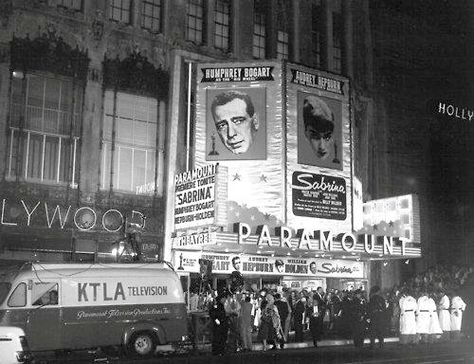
x=142, y=343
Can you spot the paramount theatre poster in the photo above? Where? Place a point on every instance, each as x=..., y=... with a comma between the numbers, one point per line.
x=239, y=124
x=286, y=145
x=319, y=183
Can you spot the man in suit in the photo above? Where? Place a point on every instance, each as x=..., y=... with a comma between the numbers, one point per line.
x=283, y=311
x=316, y=320
x=299, y=317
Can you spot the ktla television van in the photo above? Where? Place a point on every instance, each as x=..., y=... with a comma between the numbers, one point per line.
x=78, y=306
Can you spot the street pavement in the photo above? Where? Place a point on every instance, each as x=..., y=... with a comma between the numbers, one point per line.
x=332, y=353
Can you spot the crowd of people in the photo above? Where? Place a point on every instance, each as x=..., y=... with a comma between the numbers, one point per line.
x=423, y=309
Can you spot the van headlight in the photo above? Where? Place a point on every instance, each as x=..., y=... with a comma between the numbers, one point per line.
x=23, y=356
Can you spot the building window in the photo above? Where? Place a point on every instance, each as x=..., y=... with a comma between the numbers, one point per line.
x=259, y=32
x=222, y=25
x=151, y=15
x=194, y=21
x=316, y=18
x=336, y=42
x=129, y=142
x=282, y=45
x=120, y=10
x=45, y=147
x=283, y=18
x=70, y=4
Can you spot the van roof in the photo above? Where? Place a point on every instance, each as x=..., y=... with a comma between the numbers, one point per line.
x=66, y=270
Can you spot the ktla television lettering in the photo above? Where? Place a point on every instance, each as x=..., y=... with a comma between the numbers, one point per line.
x=97, y=291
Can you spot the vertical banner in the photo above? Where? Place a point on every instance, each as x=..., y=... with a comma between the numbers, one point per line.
x=195, y=197
x=358, y=200
x=318, y=153
x=239, y=124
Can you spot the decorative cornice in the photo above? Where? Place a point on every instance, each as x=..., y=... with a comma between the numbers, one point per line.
x=49, y=52
x=6, y=9
x=136, y=73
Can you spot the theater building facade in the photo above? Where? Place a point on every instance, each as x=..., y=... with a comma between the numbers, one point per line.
x=290, y=216
x=103, y=103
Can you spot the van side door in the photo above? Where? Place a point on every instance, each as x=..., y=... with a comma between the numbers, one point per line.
x=44, y=329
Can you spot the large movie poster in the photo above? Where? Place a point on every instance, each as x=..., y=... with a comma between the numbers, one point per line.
x=319, y=131
x=236, y=124
x=321, y=196
x=239, y=123
x=318, y=149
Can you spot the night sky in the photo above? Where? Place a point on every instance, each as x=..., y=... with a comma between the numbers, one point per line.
x=423, y=60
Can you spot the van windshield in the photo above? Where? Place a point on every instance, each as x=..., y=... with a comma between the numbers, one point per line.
x=4, y=289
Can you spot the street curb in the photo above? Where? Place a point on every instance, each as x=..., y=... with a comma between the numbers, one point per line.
x=322, y=343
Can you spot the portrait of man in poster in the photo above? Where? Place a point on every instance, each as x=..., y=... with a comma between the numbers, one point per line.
x=236, y=124
x=319, y=131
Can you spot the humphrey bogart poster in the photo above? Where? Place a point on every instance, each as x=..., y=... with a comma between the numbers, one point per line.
x=235, y=124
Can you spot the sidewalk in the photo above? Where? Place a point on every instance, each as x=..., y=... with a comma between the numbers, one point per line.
x=326, y=342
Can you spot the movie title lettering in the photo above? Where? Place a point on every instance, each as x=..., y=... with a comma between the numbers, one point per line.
x=321, y=185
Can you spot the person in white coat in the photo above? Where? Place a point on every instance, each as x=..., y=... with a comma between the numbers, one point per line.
x=424, y=317
x=408, y=308
x=457, y=308
x=435, y=328
x=444, y=316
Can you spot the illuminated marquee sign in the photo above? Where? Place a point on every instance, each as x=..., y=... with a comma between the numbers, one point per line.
x=323, y=240
x=84, y=218
x=317, y=267
x=395, y=216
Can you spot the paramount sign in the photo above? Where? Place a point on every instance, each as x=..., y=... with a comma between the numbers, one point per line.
x=316, y=240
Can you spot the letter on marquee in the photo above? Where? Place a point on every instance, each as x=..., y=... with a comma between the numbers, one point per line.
x=325, y=242
x=404, y=241
x=29, y=213
x=142, y=217
x=305, y=240
x=243, y=231
x=366, y=243
x=285, y=236
x=3, y=222
x=264, y=237
x=343, y=242
x=388, y=245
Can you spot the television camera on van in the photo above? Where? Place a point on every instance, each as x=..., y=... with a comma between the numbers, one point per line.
x=79, y=306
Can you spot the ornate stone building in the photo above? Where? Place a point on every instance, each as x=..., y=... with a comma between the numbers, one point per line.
x=97, y=118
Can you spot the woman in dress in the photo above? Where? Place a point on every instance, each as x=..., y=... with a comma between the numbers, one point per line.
x=270, y=328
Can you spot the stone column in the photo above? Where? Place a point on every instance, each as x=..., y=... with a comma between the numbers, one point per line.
x=348, y=40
